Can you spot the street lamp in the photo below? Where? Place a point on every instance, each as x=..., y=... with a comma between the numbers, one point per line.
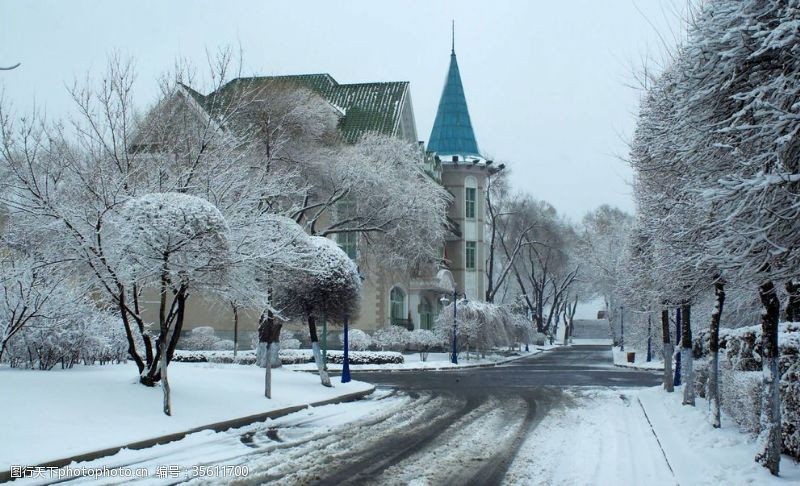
x=346, y=357
x=621, y=328
x=445, y=301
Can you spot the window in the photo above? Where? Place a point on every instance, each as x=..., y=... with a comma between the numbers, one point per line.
x=348, y=242
x=397, y=307
x=469, y=202
x=469, y=254
x=425, y=314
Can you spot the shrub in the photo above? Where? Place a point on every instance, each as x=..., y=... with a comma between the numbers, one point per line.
x=199, y=338
x=290, y=356
x=741, y=379
x=394, y=338
x=423, y=341
x=357, y=340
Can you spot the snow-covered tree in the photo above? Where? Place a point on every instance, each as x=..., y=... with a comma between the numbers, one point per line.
x=327, y=286
x=176, y=244
x=717, y=173
x=545, y=267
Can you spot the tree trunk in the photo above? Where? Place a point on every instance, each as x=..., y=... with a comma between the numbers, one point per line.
x=713, y=346
x=770, y=437
x=268, y=371
x=667, y=341
x=235, y=309
x=164, y=380
x=686, y=355
x=264, y=331
x=678, y=329
x=312, y=331
x=164, y=340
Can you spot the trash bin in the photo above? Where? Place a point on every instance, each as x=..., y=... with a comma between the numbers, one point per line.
x=631, y=357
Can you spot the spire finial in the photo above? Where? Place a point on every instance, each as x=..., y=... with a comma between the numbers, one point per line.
x=453, y=48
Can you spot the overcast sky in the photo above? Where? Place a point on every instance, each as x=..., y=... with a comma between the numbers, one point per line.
x=547, y=82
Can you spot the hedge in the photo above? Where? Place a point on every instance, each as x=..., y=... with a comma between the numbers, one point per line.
x=741, y=378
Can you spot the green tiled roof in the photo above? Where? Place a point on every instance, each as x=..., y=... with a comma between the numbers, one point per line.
x=367, y=107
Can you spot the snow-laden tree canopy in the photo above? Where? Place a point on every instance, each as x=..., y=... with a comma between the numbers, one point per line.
x=170, y=235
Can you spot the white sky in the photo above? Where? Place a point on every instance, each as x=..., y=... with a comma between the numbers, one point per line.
x=546, y=81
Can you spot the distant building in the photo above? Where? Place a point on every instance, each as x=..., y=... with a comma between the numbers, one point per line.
x=393, y=296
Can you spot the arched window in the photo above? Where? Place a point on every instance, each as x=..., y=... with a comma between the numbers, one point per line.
x=397, y=309
x=425, y=314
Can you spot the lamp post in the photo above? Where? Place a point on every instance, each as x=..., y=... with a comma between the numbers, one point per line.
x=346, y=359
x=621, y=328
x=649, y=339
x=445, y=301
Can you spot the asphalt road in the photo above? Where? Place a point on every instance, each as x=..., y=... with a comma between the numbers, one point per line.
x=462, y=427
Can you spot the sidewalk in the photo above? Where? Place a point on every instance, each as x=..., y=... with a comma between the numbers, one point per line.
x=53, y=417
x=699, y=454
x=640, y=362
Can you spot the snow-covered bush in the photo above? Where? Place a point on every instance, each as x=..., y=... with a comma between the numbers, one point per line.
x=223, y=345
x=423, y=341
x=741, y=378
x=288, y=340
x=226, y=357
x=298, y=356
x=200, y=338
x=105, y=341
x=357, y=340
x=394, y=338
x=366, y=357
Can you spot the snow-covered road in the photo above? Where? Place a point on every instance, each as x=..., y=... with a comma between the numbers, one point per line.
x=525, y=423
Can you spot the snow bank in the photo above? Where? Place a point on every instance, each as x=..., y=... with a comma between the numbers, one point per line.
x=52, y=415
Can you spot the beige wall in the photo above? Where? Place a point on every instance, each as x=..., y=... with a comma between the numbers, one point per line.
x=453, y=178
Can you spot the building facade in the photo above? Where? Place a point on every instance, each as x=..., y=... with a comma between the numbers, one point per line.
x=393, y=296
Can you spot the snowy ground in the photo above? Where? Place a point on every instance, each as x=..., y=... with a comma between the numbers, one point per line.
x=69, y=412
x=603, y=439
x=640, y=360
x=606, y=438
x=435, y=361
x=702, y=455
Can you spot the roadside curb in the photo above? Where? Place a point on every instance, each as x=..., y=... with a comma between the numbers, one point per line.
x=640, y=368
x=5, y=475
x=448, y=368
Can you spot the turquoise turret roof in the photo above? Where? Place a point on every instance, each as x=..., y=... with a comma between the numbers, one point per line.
x=452, y=130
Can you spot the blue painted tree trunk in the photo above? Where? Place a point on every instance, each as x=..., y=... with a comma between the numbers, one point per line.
x=677, y=380
x=346, y=360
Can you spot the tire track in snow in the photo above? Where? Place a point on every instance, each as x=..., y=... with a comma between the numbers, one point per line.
x=473, y=450
x=316, y=460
